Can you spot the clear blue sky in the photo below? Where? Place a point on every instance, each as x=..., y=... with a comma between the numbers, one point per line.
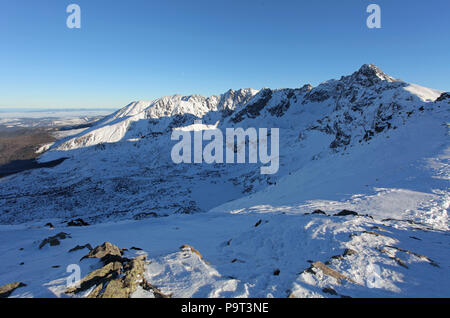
x=143, y=49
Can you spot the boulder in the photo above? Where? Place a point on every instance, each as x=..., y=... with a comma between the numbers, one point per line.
x=346, y=212
x=77, y=222
x=106, y=252
x=6, y=290
x=54, y=240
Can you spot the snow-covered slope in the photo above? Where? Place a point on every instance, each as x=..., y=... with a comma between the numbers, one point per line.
x=367, y=143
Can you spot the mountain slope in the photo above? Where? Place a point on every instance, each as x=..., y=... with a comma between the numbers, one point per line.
x=358, y=208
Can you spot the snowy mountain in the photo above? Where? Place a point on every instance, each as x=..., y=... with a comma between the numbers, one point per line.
x=367, y=144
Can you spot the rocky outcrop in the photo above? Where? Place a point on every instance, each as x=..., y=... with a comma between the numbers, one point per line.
x=346, y=213
x=444, y=96
x=328, y=271
x=80, y=247
x=77, y=222
x=54, y=240
x=6, y=290
x=106, y=252
x=118, y=278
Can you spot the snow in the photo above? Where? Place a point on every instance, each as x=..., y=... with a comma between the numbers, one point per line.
x=366, y=143
x=425, y=94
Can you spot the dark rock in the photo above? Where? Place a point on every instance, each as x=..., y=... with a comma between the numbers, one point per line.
x=54, y=240
x=444, y=96
x=276, y=272
x=349, y=252
x=319, y=212
x=77, y=222
x=50, y=225
x=253, y=109
x=330, y=291
x=80, y=247
x=149, y=287
x=258, y=223
x=345, y=213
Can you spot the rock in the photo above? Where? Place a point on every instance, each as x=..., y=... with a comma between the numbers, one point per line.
x=422, y=257
x=319, y=212
x=115, y=289
x=54, y=240
x=80, y=247
x=77, y=222
x=50, y=225
x=190, y=208
x=373, y=233
x=144, y=215
x=346, y=212
x=329, y=290
x=107, y=253
x=149, y=287
x=379, y=228
x=276, y=272
x=132, y=277
x=193, y=250
x=349, y=252
x=236, y=260
x=444, y=96
x=329, y=272
x=120, y=281
x=6, y=290
x=258, y=223
x=97, y=277
x=135, y=248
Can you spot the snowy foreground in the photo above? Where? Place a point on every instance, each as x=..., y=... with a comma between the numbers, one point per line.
x=367, y=144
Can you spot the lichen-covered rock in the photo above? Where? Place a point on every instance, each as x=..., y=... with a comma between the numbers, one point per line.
x=106, y=252
x=6, y=290
x=132, y=276
x=98, y=277
x=118, y=278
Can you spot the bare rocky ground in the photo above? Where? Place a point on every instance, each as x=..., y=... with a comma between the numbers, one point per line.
x=22, y=143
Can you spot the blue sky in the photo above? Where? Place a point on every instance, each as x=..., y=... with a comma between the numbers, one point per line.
x=144, y=49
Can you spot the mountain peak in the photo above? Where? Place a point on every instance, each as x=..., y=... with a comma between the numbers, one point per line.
x=372, y=72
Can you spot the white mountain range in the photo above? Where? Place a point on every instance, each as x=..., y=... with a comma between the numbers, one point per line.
x=367, y=143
